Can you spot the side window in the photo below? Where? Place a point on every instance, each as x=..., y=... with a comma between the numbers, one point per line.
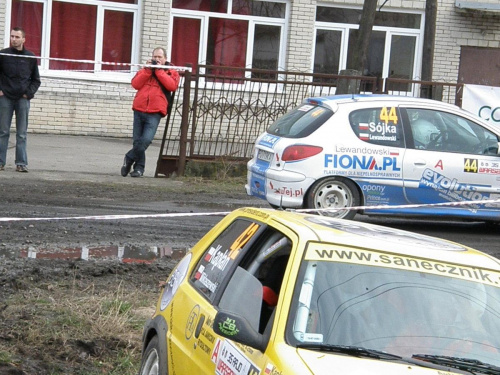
x=254, y=288
x=224, y=253
x=380, y=126
x=446, y=132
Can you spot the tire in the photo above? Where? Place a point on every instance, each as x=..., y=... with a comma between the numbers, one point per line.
x=334, y=192
x=151, y=363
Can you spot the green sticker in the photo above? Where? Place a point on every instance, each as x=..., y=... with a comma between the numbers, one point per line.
x=228, y=327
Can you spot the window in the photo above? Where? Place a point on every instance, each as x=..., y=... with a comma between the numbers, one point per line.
x=394, y=50
x=441, y=131
x=379, y=126
x=84, y=31
x=235, y=33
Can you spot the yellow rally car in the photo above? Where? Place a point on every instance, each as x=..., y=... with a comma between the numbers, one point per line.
x=275, y=292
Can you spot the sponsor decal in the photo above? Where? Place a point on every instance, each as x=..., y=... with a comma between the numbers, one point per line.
x=202, y=277
x=191, y=321
x=173, y=281
x=216, y=258
x=269, y=140
x=286, y=191
x=374, y=189
x=322, y=252
x=449, y=188
x=228, y=327
x=339, y=149
x=229, y=360
x=362, y=165
x=481, y=166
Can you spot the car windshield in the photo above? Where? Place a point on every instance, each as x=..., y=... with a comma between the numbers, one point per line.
x=397, y=310
x=300, y=122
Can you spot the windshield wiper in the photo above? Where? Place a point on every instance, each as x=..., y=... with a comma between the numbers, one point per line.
x=355, y=351
x=466, y=364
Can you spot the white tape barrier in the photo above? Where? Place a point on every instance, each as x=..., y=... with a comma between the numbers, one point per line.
x=173, y=215
x=180, y=68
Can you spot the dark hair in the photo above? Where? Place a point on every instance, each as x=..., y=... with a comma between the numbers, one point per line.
x=17, y=28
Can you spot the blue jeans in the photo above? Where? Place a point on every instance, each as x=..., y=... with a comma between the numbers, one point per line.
x=21, y=108
x=145, y=126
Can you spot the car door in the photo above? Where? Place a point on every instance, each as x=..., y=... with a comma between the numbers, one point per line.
x=450, y=158
x=231, y=259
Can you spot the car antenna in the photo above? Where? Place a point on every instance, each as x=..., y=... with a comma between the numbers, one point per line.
x=281, y=203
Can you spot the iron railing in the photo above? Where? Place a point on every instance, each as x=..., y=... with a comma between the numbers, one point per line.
x=218, y=112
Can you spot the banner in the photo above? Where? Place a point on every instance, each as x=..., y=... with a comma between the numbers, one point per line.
x=483, y=101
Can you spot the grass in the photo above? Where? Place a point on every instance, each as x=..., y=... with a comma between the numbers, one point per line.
x=72, y=328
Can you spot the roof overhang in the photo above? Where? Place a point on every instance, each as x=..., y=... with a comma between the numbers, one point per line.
x=478, y=5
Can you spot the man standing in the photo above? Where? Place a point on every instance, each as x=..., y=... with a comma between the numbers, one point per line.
x=150, y=105
x=19, y=81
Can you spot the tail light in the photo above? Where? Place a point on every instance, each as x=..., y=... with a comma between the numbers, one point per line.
x=300, y=152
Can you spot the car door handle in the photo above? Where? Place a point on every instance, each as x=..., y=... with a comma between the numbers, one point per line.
x=199, y=325
x=420, y=162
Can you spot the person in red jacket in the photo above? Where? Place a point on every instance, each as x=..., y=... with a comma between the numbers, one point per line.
x=149, y=106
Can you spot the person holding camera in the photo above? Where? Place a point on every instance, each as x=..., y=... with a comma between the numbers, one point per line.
x=150, y=106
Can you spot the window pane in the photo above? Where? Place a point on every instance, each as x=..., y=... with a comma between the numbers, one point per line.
x=182, y=52
x=375, y=53
x=68, y=39
x=118, y=50
x=266, y=49
x=379, y=126
x=123, y=1
x=259, y=8
x=327, y=54
x=227, y=43
x=353, y=16
x=28, y=15
x=402, y=57
x=219, y=6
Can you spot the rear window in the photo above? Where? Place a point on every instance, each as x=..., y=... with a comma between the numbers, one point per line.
x=300, y=122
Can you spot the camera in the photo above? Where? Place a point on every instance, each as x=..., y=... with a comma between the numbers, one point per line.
x=153, y=62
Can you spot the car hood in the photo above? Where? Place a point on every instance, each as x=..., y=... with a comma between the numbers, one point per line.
x=325, y=363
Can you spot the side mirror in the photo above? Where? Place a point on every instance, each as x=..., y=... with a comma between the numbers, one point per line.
x=238, y=329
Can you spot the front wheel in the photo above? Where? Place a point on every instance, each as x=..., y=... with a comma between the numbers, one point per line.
x=150, y=364
x=335, y=193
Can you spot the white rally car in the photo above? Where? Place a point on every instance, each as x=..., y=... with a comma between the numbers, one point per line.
x=373, y=152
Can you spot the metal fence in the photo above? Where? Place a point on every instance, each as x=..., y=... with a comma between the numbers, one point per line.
x=218, y=112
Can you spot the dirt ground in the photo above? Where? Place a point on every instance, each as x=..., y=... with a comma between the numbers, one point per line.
x=36, y=295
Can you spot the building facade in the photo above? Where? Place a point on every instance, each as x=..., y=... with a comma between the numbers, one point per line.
x=90, y=49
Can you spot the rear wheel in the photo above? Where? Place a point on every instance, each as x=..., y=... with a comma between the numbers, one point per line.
x=150, y=364
x=334, y=192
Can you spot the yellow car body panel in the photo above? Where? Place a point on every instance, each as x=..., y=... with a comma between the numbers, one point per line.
x=194, y=347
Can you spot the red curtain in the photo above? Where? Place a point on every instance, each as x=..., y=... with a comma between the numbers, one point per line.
x=73, y=35
x=227, y=44
x=185, y=41
x=28, y=15
x=204, y=5
x=118, y=50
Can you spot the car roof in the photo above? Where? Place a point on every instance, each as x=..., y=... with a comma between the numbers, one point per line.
x=365, y=98
x=349, y=233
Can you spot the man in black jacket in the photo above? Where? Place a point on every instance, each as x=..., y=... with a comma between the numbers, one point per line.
x=19, y=81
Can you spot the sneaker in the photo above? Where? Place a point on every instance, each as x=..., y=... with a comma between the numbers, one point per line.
x=21, y=168
x=127, y=165
x=136, y=174
x=2, y=167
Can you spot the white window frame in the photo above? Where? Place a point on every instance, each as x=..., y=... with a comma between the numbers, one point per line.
x=252, y=21
x=102, y=6
x=389, y=33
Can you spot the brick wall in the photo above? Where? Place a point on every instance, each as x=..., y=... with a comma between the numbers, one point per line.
x=64, y=106
x=456, y=28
